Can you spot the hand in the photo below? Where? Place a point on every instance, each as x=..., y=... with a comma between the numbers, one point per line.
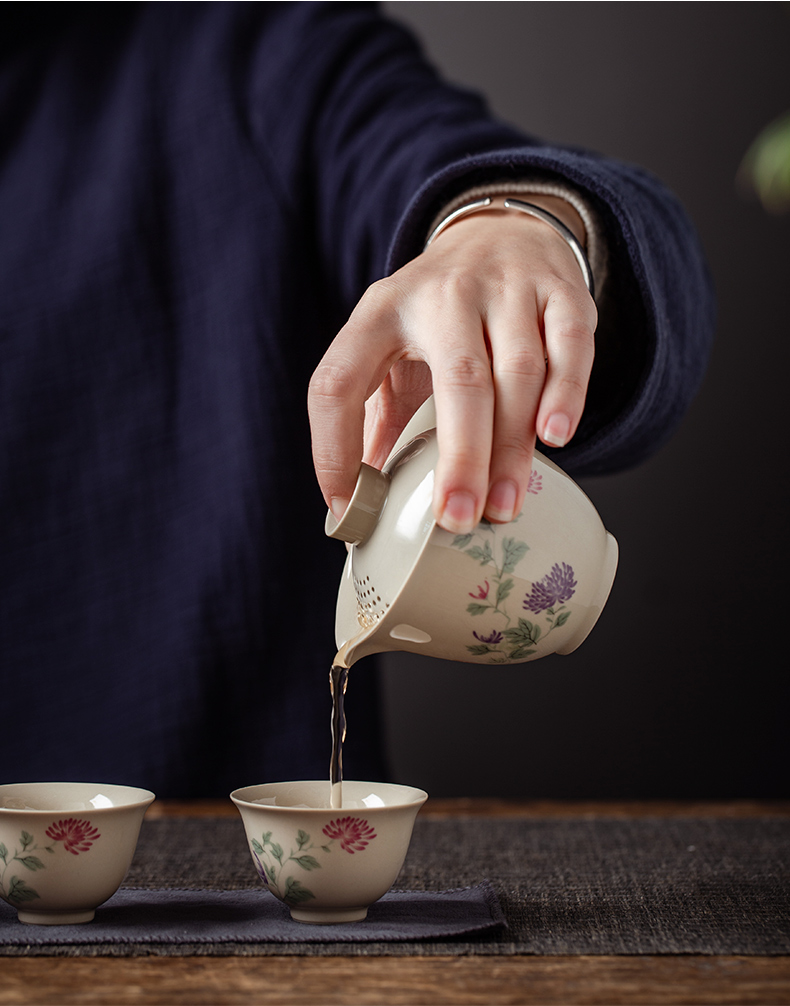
x=494, y=318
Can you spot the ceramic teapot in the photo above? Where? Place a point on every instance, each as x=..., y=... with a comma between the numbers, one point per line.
x=501, y=594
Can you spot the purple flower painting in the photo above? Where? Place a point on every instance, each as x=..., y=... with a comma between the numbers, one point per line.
x=556, y=587
x=493, y=637
x=260, y=868
x=515, y=637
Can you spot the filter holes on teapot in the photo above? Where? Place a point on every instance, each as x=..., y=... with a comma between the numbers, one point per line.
x=370, y=607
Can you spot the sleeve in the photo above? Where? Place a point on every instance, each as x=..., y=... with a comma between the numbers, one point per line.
x=368, y=145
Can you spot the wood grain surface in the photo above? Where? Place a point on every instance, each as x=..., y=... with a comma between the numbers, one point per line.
x=294, y=981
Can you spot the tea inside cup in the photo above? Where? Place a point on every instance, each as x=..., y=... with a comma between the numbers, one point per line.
x=328, y=865
x=65, y=847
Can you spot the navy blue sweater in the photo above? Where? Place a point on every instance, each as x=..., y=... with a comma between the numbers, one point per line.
x=192, y=198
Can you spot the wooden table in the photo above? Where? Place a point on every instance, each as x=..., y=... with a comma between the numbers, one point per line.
x=289, y=981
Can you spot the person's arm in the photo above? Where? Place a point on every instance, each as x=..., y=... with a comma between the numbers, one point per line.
x=383, y=146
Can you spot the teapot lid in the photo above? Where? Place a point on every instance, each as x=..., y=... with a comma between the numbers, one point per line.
x=364, y=508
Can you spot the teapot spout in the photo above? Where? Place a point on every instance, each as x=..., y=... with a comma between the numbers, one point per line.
x=353, y=640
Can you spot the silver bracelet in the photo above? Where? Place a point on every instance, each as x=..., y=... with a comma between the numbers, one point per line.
x=533, y=211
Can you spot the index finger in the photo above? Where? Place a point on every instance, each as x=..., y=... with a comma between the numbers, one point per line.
x=350, y=371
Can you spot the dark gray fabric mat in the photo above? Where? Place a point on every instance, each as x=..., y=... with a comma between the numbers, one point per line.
x=169, y=916
x=567, y=886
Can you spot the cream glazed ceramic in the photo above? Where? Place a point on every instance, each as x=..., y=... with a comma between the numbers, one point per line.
x=505, y=593
x=65, y=847
x=327, y=864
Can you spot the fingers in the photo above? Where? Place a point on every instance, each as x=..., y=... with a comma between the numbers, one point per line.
x=569, y=322
x=353, y=367
x=495, y=319
x=393, y=352
x=542, y=359
x=336, y=423
x=464, y=393
x=488, y=411
x=392, y=405
x=519, y=370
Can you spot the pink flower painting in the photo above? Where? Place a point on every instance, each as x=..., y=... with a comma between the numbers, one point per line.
x=76, y=835
x=535, y=483
x=354, y=833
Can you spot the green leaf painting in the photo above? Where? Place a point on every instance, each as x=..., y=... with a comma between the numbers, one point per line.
x=498, y=639
x=521, y=653
x=307, y=862
x=295, y=893
x=513, y=552
x=526, y=634
x=31, y=862
x=481, y=554
x=18, y=891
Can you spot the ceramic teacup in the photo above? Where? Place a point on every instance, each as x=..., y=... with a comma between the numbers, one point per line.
x=328, y=865
x=65, y=847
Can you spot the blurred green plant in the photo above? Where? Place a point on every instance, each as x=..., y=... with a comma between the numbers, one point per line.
x=766, y=167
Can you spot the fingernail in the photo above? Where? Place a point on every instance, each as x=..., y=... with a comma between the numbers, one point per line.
x=458, y=514
x=501, y=503
x=557, y=430
x=338, y=506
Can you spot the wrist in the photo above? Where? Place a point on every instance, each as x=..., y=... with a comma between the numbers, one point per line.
x=534, y=188
x=501, y=206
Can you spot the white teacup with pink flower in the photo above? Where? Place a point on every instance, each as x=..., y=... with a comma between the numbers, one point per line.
x=65, y=847
x=328, y=865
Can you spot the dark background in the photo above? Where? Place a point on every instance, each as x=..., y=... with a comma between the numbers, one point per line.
x=681, y=690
